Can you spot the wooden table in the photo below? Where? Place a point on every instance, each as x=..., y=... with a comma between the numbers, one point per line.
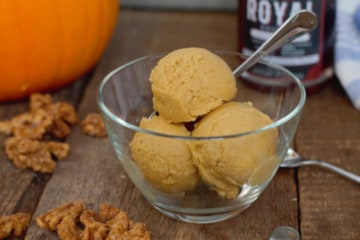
x=321, y=204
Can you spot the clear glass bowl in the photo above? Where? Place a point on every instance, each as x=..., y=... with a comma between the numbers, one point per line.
x=125, y=97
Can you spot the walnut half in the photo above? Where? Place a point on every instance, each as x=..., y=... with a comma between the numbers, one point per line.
x=27, y=153
x=73, y=222
x=93, y=125
x=15, y=223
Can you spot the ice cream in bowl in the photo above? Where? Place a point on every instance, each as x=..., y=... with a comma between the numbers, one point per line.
x=199, y=143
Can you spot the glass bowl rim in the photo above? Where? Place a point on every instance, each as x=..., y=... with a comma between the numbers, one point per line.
x=136, y=128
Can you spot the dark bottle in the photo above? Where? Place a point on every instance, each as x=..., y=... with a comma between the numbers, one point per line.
x=309, y=56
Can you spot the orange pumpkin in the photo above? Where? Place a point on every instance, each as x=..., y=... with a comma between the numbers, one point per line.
x=47, y=44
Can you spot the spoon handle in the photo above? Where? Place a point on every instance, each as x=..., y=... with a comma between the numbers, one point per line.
x=340, y=171
x=301, y=21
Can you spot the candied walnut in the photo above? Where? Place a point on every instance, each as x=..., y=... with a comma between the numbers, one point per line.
x=121, y=227
x=15, y=223
x=59, y=129
x=93, y=125
x=67, y=229
x=44, y=117
x=58, y=149
x=73, y=222
x=38, y=100
x=137, y=231
x=118, y=221
x=69, y=212
x=94, y=228
x=27, y=153
x=107, y=212
x=63, y=111
x=64, y=116
x=6, y=127
x=31, y=125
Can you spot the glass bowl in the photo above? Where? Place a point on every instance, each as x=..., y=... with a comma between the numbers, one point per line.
x=125, y=97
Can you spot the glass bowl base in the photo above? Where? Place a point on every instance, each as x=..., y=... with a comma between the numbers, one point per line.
x=199, y=218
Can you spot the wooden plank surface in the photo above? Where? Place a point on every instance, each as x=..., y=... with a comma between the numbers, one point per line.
x=108, y=183
x=329, y=130
x=92, y=173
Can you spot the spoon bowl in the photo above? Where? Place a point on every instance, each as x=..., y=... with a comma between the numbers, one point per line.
x=285, y=233
x=293, y=159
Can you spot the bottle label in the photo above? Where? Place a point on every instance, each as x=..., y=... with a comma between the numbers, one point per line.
x=259, y=19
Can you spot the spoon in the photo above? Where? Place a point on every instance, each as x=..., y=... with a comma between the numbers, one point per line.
x=284, y=233
x=302, y=21
x=293, y=159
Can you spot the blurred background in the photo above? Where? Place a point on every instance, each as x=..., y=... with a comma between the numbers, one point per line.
x=221, y=5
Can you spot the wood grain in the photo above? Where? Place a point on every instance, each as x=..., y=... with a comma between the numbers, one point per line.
x=103, y=180
x=329, y=130
x=22, y=189
x=321, y=204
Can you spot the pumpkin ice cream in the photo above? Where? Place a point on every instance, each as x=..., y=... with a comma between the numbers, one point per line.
x=194, y=85
x=190, y=82
x=165, y=162
x=226, y=164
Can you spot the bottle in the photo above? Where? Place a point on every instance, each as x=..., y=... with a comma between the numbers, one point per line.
x=309, y=56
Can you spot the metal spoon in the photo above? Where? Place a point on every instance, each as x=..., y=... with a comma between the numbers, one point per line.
x=284, y=233
x=302, y=21
x=293, y=159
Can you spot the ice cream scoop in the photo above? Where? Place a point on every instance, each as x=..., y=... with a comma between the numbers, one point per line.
x=227, y=164
x=193, y=82
x=190, y=82
x=165, y=162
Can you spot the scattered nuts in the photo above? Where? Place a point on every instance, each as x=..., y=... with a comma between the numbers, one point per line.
x=93, y=125
x=73, y=221
x=15, y=223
